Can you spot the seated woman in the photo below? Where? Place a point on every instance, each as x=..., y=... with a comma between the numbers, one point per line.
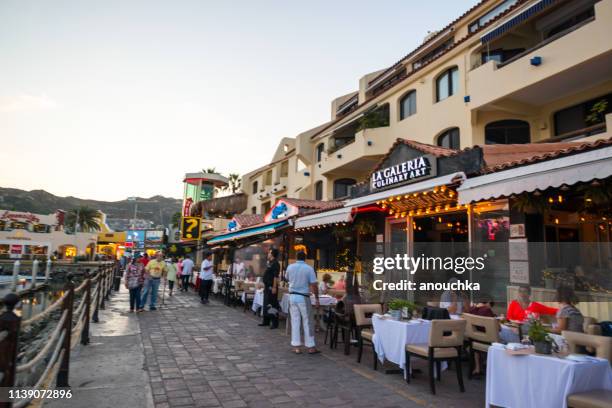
x=483, y=308
x=455, y=302
x=568, y=317
x=519, y=308
x=325, y=284
x=341, y=284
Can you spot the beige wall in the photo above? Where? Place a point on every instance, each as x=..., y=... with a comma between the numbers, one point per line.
x=571, y=73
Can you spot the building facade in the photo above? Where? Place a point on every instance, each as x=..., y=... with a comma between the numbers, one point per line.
x=504, y=72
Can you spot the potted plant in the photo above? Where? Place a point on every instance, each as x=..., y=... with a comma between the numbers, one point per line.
x=549, y=278
x=400, y=308
x=539, y=337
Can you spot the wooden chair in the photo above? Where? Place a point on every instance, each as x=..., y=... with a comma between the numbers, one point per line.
x=249, y=296
x=480, y=333
x=602, y=345
x=590, y=399
x=445, y=344
x=363, y=321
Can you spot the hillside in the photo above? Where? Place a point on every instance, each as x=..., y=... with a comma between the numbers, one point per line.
x=156, y=209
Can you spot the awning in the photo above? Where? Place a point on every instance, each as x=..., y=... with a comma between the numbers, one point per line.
x=517, y=19
x=248, y=232
x=407, y=189
x=582, y=167
x=342, y=214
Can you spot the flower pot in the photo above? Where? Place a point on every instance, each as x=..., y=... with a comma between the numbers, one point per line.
x=543, y=347
x=395, y=314
x=549, y=283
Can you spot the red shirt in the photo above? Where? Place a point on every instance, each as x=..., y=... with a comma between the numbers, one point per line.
x=144, y=261
x=516, y=312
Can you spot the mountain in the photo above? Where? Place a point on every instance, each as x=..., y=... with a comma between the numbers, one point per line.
x=157, y=210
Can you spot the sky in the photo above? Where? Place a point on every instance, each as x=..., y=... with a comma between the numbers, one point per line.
x=117, y=98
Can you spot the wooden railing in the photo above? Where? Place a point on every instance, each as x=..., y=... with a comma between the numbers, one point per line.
x=70, y=329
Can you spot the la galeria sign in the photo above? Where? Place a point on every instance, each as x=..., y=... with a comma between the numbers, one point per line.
x=412, y=169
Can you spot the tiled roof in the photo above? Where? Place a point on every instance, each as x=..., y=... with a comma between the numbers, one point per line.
x=502, y=157
x=247, y=220
x=422, y=147
x=313, y=204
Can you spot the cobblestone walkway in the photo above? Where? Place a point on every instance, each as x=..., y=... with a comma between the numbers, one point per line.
x=216, y=356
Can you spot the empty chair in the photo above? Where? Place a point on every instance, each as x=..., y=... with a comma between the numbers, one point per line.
x=363, y=321
x=602, y=345
x=480, y=333
x=590, y=399
x=445, y=344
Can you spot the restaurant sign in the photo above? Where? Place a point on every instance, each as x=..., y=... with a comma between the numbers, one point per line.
x=408, y=171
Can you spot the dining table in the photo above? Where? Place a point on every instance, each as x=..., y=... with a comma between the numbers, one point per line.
x=257, y=300
x=391, y=337
x=527, y=379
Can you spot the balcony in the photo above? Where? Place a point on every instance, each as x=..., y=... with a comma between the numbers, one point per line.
x=537, y=72
x=358, y=156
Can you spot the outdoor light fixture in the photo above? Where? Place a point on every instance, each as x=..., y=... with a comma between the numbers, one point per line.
x=339, y=156
x=466, y=98
x=535, y=61
x=370, y=143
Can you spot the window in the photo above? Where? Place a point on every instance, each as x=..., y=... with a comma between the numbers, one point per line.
x=507, y=132
x=500, y=55
x=571, y=22
x=284, y=170
x=585, y=118
x=320, y=148
x=255, y=187
x=299, y=165
x=491, y=15
x=319, y=190
x=433, y=54
x=450, y=139
x=265, y=207
x=447, y=84
x=408, y=105
x=253, y=210
x=342, y=187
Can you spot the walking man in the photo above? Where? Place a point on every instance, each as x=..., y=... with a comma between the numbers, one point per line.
x=156, y=268
x=270, y=281
x=206, y=278
x=302, y=282
x=186, y=273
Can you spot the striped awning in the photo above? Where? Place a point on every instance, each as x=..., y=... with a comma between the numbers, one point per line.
x=263, y=230
x=342, y=214
x=516, y=20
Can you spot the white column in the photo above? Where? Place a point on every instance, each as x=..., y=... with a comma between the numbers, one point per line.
x=34, y=273
x=16, y=266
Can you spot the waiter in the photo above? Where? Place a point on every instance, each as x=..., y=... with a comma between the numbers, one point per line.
x=270, y=281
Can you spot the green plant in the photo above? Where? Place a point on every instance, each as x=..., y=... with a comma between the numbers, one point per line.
x=89, y=219
x=597, y=112
x=530, y=203
x=537, y=333
x=374, y=119
x=399, y=304
x=548, y=274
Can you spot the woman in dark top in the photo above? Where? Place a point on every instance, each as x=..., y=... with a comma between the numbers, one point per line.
x=568, y=317
x=270, y=281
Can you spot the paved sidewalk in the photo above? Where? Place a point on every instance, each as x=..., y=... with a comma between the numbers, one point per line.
x=108, y=373
x=216, y=356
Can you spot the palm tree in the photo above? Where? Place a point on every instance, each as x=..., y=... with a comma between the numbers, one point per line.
x=210, y=170
x=176, y=219
x=89, y=219
x=234, y=183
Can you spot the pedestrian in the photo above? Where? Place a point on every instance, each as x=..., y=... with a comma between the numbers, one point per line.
x=206, y=278
x=302, y=282
x=238, y=269
x=186, y=273
x=270, y=281
x=156, y=269
x=144, y=259
x=172, y=272
x=179, y=272
x=134, y=280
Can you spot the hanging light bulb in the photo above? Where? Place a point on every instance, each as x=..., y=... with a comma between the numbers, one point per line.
x=550, y=200
x=439, y=219
x=556, y=220
x=560, y=198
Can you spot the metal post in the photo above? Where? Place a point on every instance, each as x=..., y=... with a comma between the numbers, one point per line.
x=102, y=292
x=9, y=323
x=87, y=300
x=67, y=305
x=16, y=267
x=34, y=273
x=48, y=271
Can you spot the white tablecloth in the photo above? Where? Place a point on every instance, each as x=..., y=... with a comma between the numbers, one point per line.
x=257, y=300
x=540, y=381
x=391, y=337
x=324, y=301
x=216, y=284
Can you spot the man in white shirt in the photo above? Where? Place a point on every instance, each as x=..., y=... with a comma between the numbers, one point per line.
x=206, y=278
x=187, y=270
x=302, y=282
x=238, y=269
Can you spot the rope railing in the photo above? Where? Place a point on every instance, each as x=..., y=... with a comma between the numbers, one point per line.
x=70, y=329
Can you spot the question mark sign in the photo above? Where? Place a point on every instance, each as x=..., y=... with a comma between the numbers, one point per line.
x=192, y=224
